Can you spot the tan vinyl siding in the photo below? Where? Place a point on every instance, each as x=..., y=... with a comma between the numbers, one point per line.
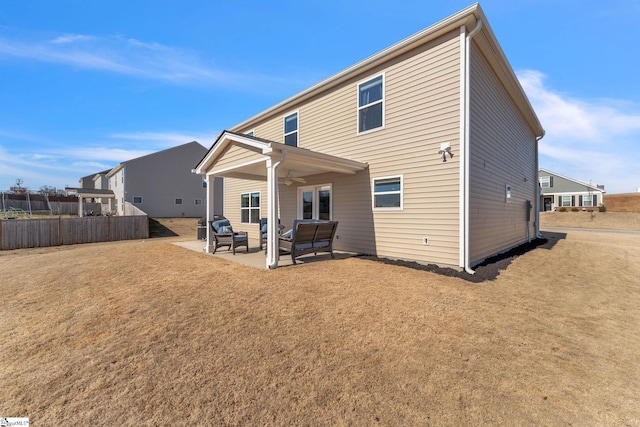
x=235, y=155
x=421, y=103
x=502, y=152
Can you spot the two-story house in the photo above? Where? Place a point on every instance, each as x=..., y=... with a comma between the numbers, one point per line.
x=425, y=151
x=161, y=184
x=558, y=191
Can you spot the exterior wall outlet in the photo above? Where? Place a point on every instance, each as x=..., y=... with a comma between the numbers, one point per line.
x=425, y=241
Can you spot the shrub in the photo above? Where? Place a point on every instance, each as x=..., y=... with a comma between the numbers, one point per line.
x=589, y=210
x=602, y=208
x=563, y=209
x=575, y=210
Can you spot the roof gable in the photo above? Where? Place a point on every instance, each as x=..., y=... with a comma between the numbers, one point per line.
x=565, y=184
x=468, y=18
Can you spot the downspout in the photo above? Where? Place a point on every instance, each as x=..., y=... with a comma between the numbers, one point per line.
x=537, y=181
x=272, y=217
x=467, y=137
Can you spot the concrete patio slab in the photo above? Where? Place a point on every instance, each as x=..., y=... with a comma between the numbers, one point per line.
x=256, y=258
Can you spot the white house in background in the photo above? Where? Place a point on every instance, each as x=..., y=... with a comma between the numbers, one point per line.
x=557, y=191
x=161, y=184
x=425, y=151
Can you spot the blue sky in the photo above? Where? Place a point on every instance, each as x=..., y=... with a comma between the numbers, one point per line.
x=86, y=84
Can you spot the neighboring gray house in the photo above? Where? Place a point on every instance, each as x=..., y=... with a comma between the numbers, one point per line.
x=161, y=184
x=558, y=191
x=95, y=180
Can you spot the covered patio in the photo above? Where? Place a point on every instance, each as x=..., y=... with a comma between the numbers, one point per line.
x=92, y=193
x=246, y=157
x=255, y=257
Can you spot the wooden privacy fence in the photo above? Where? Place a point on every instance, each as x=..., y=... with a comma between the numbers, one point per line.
x=35, y=233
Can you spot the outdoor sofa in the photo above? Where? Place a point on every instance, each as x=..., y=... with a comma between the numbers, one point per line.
x=309, y=236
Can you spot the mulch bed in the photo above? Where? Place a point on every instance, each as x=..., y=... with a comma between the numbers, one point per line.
x=489, y=269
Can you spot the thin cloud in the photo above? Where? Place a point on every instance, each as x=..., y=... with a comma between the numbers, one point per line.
x=586, y=139
x=120, y=55
x=71, y=38
x=168, y=139
x=136, y=58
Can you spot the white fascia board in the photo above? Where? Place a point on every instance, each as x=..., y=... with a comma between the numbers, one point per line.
x=221, y=143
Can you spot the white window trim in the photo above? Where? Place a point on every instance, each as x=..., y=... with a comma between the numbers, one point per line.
x=316, y=189
x=297, y=131
x=382, y=101
x=590, y=196
x=563, y=205
x=249, y=208
x=373, y=194
x=133, y=200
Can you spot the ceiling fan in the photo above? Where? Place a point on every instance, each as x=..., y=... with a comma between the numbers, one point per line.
x=288, y=179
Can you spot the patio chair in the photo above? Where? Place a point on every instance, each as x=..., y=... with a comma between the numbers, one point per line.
x=223, y=235
x=263, y=231
x=309, y=236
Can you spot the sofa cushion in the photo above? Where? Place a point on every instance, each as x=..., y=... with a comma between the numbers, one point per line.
x=216, y=225
x=305, y=245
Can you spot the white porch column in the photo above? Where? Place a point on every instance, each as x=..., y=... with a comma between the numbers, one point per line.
x=110, y=205
x=272, y=214
x=80, y=206
x=210, y=210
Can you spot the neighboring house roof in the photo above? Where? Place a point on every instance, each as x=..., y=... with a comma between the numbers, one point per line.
x=485, y=39
x=122, y=164
x=575, y=181
x=92, y=177
x=91, y=192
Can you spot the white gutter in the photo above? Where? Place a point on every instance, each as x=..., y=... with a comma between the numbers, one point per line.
x=466, y=142
x=538, y=193
x=273, y=252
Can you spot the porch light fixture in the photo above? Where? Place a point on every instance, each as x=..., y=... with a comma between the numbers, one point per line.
x=445, y=148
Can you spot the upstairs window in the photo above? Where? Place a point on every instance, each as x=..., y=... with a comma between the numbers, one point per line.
x=178, y=201
x=371, y=104
x=291, y=129
x=137, y=200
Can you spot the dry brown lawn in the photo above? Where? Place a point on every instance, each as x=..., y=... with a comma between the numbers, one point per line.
x=149, y=333
x=592, y=220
